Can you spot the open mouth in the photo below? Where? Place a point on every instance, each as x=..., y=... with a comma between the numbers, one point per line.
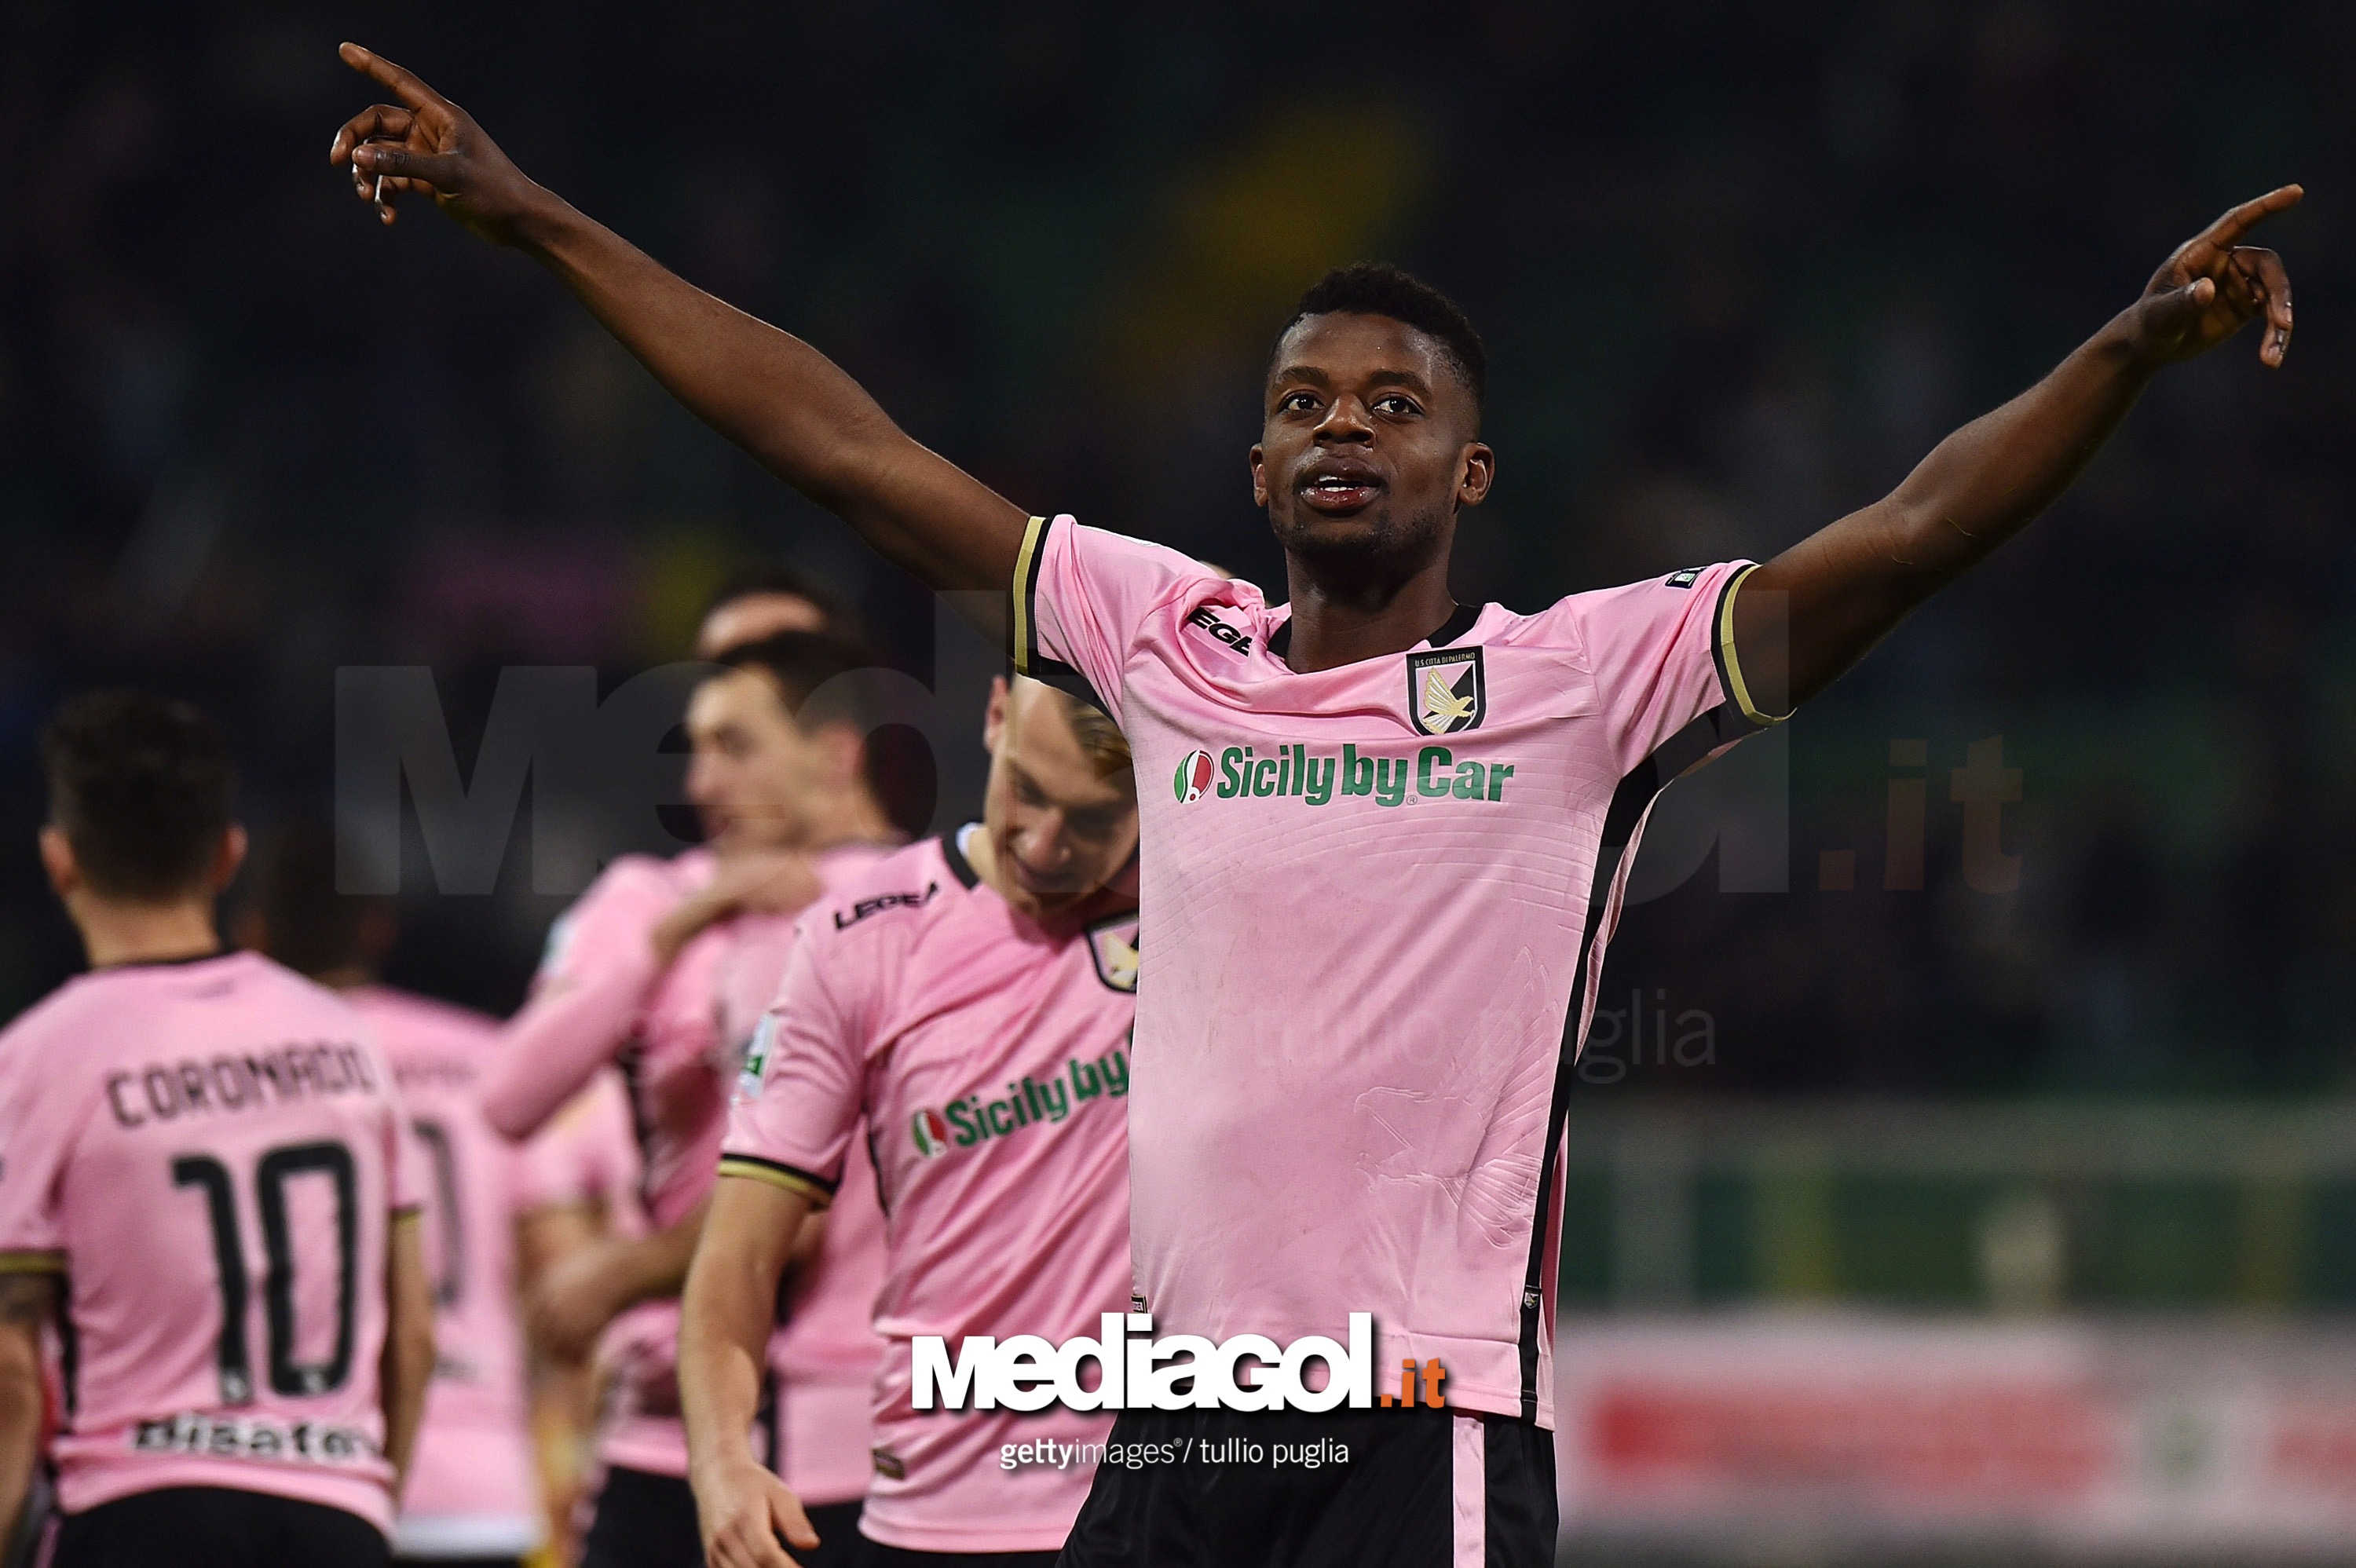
x=1339, y=488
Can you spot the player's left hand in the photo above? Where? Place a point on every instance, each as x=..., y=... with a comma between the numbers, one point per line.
x=2213, y=285
x=574, y=1301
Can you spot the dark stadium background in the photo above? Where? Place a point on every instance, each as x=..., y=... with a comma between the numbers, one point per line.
x=1738, y=264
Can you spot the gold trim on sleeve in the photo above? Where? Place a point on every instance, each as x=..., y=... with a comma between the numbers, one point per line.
x=1733, y=667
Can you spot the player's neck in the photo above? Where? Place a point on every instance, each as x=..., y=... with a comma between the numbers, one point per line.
x=115, y=934
x=1339, y=620
x=851, y=817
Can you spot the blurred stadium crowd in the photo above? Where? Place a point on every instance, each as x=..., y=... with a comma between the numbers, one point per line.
x=1738, y=264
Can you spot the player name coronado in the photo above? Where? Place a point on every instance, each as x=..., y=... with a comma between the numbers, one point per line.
x=1179, y=1371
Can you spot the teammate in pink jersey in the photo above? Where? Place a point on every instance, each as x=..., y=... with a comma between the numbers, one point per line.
x=205, y=1176
x=473, y=1494
x=633, y=977
x=996, y=956
x=1393, y=1108
x=824, y=1354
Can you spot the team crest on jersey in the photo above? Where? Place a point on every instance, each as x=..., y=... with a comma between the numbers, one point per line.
x=1445, y=690
x=931, y=1133
x=1193, y=777
x=1114, y=947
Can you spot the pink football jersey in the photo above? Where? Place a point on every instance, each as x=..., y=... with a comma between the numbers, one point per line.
x=471, y=1490
x=824, y=1354
x=989, y=1061
x=601, y=997
x=1372, y=897
x=587, y=1156
x=211, y=1152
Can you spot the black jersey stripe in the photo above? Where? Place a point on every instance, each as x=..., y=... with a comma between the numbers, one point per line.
x=1712, y=732
x=777, y=1173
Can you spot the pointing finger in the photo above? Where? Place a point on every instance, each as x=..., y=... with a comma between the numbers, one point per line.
x=402, y=84
x=2221, y=235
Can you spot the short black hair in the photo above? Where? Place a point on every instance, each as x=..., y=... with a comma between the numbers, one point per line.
x=761, y=577
x=141, y=786
x=307, y=925
x=896, y=761
x=801, y=663
x=1378, y=288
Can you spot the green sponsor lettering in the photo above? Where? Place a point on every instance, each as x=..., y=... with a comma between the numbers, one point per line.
x=968, y=1135
x=1390, y=780
x=1231, y=772
x=1498, y=773
x=1425, y=760
x=1358, y=772
x=1468, y=782
x=1320, y=781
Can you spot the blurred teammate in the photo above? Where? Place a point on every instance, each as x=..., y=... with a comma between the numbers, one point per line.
x=632, y=978
x=971, y=998
x=757, y=603
x=473, y=1495
x=207, y=1169
x=1398, y=827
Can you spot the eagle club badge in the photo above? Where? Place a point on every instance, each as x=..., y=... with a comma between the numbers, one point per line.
x=1114, y=947
x=1445, y=690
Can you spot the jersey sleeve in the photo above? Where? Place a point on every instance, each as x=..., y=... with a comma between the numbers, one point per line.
x=797, y=1104
x=1662, y=652
x=592, y=986
x=39, y=1125
x=1080, y=596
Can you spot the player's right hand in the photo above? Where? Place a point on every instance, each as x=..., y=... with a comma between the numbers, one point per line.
x=742, y=1509
x=429, y=145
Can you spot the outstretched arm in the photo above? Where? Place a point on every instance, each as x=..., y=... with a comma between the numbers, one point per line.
x=1847, y=585
x=769, y=392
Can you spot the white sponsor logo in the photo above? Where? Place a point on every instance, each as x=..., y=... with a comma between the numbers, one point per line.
x=1181, y=1371
x=253, y=1437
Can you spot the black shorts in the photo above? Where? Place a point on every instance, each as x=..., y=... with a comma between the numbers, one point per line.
x=645, y=1521
x=1370, y=1488
x=876, y=1554
x=216, y=1527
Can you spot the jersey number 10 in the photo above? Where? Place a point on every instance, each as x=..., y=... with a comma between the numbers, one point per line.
x=270, y=1174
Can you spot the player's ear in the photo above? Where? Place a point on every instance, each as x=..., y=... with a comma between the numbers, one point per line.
x=993, y=718
x=1480, y=473
x=57, y=860
x=227, y=859
x=1260, y=476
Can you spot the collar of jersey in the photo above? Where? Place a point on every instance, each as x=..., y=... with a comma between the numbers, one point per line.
x=1280, y=641
x=953, y=852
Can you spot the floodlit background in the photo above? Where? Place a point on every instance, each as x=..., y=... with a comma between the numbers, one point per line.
x=1987, y=1189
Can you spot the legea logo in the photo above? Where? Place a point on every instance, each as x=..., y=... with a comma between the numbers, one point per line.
x=1183, y=1371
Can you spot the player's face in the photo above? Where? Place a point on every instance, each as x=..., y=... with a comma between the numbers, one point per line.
x=1059, y=829
x=753, y=769
x=750, y=617
x=1369, y=444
